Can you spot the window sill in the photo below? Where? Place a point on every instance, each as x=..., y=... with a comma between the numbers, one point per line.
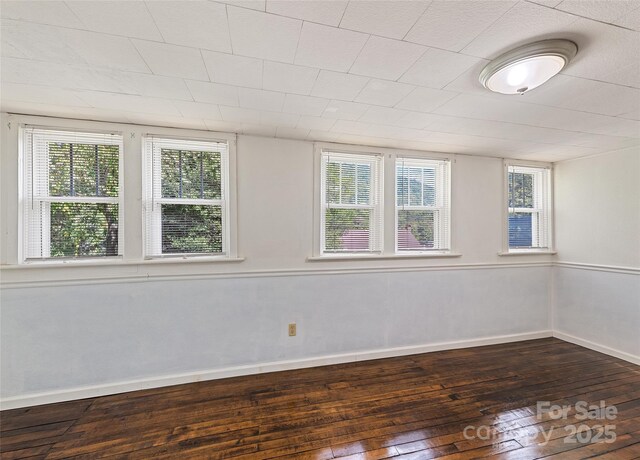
x=188, y=260
x=120, y=262
x=352, y=257
x=527, y=253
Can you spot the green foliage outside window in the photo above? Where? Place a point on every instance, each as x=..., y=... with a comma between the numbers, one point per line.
x=83, y=170
x=188, y=228
x=347, y=184
x=84, y=229
x=421, y=225
x=338, y=221
x=521, y=190
x=191, y=174
x=191, y=229
x=91, y=229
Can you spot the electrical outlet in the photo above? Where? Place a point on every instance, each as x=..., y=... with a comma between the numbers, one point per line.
x=292, y=329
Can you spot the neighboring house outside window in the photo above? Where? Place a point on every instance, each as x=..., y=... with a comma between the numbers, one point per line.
x=422, y=205
x=351, y=203
x=528, y=208
x=412, y=220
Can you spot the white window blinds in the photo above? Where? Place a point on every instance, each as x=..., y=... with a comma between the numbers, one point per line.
x=186, y=197
x=529, y=218
x=71, y=194
x=422, y=205
x=351, y=203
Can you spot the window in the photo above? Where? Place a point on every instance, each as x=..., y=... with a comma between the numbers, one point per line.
x=72, y=194
x=529, y=216
x=381, y=205
x=422, y=205
x=186, y=202
x=351, y=203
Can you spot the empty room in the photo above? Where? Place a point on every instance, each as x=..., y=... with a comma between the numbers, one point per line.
x=320, y=229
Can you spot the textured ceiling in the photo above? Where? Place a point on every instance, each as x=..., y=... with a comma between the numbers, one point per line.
x=388, y=73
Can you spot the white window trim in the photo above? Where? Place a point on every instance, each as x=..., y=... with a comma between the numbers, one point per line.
x=388, y=197
x=151, y=204
x=26, y=160
x=506, y=250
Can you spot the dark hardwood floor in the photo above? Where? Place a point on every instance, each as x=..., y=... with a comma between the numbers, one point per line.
x=413, y=407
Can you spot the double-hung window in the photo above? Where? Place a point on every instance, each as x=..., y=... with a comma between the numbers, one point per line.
x=413, y=219
x=422, y=205
x=351, y=203
x=529, y=208
x=186, y=199
x=72, y=194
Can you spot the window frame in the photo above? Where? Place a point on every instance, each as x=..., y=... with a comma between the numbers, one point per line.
x=151, y=183
x=131, y=181
x=546, y=207
x=442, y=215
x=388, y=203
x=29, y=163
x=376, y=195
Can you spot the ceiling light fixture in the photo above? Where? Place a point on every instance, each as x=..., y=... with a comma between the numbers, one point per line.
x=522, y=69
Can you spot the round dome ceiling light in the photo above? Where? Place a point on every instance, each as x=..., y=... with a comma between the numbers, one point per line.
x=527, y=67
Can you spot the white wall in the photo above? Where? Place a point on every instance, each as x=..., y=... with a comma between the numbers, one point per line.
x=69, y=327
x=597, y=277
x=275, y=208
x=597, y=209
x=59, y=338
x=599, y=309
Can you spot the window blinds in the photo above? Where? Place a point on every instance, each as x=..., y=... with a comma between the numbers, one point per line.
x=72, y=194
x=351, y=203
x=422, y=205
x=186, y=197
x=528, y=207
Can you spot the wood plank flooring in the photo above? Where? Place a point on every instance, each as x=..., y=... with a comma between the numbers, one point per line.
x=413, y=407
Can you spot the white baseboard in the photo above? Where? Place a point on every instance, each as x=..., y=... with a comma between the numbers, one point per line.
x=35, y=399
x=597, y=347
